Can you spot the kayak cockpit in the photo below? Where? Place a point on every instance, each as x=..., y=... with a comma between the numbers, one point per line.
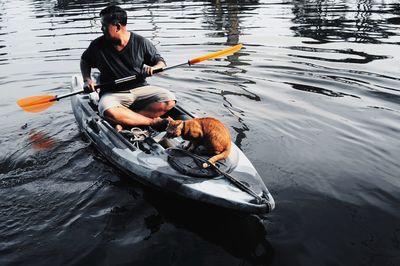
x=154, y=143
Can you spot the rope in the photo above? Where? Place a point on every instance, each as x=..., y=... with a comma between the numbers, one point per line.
x=233, y=180
x=135, y=136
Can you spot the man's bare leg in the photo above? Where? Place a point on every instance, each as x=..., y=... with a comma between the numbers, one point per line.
x=157, y=109
x=150, y=116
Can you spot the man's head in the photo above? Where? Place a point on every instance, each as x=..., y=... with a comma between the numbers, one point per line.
x=113, y=15
x=113, y=19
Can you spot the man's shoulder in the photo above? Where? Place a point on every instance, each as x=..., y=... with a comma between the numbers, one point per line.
x=139, y=38
x=99, y=41
x=98, y=44
x=136, y=35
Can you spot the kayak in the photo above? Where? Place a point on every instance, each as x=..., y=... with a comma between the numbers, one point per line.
x=147, y=157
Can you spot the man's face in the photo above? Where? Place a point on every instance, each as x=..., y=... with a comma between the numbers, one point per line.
x=104, y=28
x=110, y=31
x=107, y=29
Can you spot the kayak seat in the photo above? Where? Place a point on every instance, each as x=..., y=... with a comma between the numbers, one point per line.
x=191, y=164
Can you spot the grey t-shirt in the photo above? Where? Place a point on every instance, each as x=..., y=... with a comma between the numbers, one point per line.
x=114, y=64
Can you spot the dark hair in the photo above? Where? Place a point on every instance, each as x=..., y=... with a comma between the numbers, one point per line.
x=114, y=14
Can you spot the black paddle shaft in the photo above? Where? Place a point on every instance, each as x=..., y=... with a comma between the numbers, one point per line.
x=117, y=81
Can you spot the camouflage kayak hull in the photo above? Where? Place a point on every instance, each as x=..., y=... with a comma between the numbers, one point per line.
x=149, y=164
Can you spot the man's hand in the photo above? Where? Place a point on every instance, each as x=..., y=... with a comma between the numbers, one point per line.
x=148, y=70
x=89, y=86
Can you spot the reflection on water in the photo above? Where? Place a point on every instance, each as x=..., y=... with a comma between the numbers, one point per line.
x=224, y=18
x=360, y=22
x=312, y=99
x=319, y=90
x=41, y=140
x=174, y=219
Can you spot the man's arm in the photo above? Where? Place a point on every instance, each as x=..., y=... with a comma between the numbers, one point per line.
x=149, y=69
x=86, y=70
x=160, y=64
x=152, y=59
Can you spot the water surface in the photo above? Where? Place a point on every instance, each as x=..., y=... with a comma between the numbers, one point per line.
x=313, y=100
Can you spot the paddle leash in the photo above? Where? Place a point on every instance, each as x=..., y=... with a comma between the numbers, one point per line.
x=36, y=104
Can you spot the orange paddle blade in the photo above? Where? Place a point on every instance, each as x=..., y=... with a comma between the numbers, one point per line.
x=228, y=51
x=35, y=104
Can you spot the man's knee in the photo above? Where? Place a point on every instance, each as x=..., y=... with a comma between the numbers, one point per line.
x=161, y=106
x=169, y=105
x=166, y=106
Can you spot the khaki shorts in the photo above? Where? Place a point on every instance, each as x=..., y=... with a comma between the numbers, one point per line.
x=134, y=99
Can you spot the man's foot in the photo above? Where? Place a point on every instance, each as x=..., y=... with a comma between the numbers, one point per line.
x=159, y=124
x=118, y=128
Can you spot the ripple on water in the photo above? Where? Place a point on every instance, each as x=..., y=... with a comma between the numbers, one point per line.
x=312, y=99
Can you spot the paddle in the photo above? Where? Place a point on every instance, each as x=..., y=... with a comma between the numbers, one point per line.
x=36, y=104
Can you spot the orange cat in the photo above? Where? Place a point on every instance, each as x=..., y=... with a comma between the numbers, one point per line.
x=208, y=132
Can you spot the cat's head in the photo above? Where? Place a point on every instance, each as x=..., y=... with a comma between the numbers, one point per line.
x=174, y=128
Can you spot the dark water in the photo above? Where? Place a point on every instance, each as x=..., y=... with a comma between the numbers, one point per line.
x=313, y=100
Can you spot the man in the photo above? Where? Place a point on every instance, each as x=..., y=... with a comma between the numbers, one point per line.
x=120, y=53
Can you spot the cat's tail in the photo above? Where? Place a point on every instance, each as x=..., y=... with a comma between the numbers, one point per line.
x=221, y=156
